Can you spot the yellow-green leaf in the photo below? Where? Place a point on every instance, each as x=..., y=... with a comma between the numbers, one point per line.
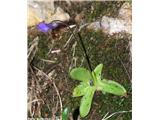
x=80, y=90
x=98, y=71
x=111, y=87
x=86, y=101
x=80, y=74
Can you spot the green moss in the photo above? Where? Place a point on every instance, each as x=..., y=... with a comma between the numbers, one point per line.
x=42, y=48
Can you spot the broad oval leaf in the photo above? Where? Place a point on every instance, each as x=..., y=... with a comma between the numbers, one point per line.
x=111, y=87
x=86, y=101
x=80, y=90
x=65, y=114
x=80, y=74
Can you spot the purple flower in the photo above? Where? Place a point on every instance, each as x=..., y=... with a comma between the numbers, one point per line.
x=45, y=27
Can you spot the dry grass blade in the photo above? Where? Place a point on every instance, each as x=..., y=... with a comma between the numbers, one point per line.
x=33, y=48
x=70, y=38
x=57, y=91
x=48, y=61
x=33, y=94
x=106, y=117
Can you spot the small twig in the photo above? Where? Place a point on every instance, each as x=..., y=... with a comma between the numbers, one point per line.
x=54, y=87
x=49, y=61
x=82, y=26
x=119, y=112
x=74, y=59
x=56, y=51
x=35, y=100
x=74, y=51
x=105, y=115
x=70, y=38
x=82, y=61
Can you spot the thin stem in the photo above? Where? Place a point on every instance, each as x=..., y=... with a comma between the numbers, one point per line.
x=87, y=57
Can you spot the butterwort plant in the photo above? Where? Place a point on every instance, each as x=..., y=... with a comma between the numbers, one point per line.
x=91, y=82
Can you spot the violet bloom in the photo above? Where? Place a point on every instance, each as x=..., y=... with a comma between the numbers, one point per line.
x=45, y=27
